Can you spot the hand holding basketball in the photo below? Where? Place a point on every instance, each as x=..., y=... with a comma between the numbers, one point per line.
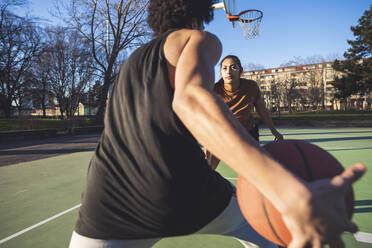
x=308, y=222
x=328, y=215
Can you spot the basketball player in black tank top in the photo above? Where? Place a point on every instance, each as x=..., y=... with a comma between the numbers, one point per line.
x=148, y=178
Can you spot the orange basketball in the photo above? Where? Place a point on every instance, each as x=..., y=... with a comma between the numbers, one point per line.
x=307, y=161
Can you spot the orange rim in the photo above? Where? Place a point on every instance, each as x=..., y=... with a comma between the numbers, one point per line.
x=232, y=17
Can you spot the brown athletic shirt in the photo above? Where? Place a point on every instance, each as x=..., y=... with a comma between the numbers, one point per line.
x=242, y=101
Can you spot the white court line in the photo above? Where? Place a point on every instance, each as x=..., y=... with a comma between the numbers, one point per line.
x=38, y=224
x=231, y=178
x=363, y=237
x=359, y=236
x=341, y=148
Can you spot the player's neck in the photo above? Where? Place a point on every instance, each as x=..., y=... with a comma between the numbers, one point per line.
x=233, y=86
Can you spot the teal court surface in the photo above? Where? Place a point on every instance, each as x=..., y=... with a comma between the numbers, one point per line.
x=39, y=200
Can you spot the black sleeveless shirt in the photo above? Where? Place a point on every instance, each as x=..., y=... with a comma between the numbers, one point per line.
x=148, y=177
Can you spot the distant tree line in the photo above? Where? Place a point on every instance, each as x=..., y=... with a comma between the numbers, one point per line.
x=357, y=68
x=64, y=65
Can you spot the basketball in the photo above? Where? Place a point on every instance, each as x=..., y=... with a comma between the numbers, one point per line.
x=305, y=160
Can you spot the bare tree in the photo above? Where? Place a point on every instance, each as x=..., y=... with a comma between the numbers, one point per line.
x=19, y=45
x=90, y=97
x=70, y=72
x=302, y=99
x=42, y=96
x=8, y=4
x=290, y=91
x=253, y=66
x=315, y=89
x=334, y=56
x=276, y=94
x=298, y=60
x=314, y=59
x=111, y=27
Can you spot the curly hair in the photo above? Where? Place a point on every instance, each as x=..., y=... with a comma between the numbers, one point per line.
x=164, y=15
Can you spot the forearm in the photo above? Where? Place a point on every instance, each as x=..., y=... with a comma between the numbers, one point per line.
x=266, y=118
x=214, y=126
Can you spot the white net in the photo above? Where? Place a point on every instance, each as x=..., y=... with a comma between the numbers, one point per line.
x=250, y=22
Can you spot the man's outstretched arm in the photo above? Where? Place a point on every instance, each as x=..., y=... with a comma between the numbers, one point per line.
x=304, y=206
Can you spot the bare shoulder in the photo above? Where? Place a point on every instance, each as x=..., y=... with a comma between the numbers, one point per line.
x=182, y=36
x=176, y=42
x=204, y=36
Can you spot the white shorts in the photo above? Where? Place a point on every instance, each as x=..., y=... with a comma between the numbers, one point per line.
x=230, y=223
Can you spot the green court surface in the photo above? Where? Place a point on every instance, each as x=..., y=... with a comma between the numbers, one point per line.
x=39, y=200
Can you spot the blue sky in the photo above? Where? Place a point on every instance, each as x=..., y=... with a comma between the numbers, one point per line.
x=290, y=28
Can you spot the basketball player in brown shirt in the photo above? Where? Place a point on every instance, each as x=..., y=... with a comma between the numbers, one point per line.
x=241, y=96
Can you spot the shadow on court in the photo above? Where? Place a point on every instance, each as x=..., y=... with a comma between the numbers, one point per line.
x=320, y=133
x=45, y=151
x=338, y=139
x=67, y=139
x=24, y=151
x=350, y=149
x=316, y=140
x=360, y=206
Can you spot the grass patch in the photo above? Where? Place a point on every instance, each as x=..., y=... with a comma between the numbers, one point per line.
x=32, y=124
x=333, y=114
x=322, y=119
x=293, y=119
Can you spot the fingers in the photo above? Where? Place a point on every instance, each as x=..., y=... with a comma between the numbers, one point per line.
x=361, y=168
x=337, y=243
x=296, y=244
x=350, y=175
x=355, y=171
x=317, y=244
x=305, y=244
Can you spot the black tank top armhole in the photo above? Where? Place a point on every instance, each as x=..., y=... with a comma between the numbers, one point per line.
x=164, y=38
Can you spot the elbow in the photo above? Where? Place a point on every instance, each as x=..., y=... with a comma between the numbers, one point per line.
x=179, y=105
x=260, y=109
x=176, y=106
x=184, y=106
x=189, y=104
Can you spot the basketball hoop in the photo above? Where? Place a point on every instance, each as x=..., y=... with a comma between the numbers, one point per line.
x=249, y=20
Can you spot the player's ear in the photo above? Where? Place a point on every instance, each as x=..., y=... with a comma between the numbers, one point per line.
x=241, y=71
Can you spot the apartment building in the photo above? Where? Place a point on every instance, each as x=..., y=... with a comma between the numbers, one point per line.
x=55, y=112
x=303, y=87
